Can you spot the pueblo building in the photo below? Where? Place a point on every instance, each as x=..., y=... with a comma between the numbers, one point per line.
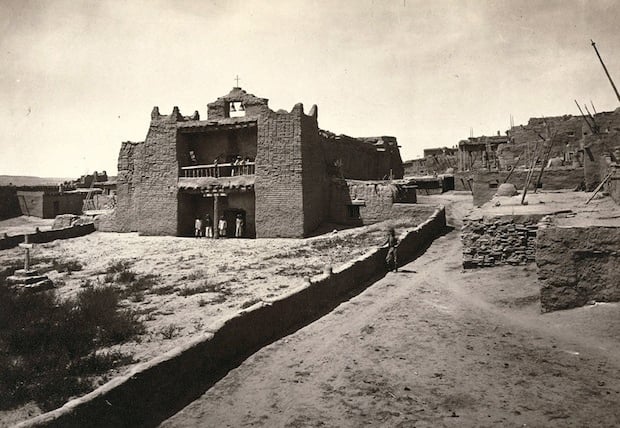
x=277, y=169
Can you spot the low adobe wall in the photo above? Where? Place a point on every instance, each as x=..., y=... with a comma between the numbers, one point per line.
x=485, y=183
x=48, y=235
x=577, y=264
x=155, y=390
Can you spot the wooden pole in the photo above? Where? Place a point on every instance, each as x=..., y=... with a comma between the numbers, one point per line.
x=513, y=168
x=216, y=216
x=605, y=68
x=600, y=186
x=27, y=255
x=530, y=173
x=545, y=160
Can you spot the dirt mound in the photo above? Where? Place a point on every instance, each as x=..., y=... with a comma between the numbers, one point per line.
x=506, y=189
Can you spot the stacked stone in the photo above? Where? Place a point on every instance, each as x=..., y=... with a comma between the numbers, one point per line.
x=496, y=242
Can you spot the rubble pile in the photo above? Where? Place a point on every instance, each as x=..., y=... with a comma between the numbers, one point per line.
x=496, y=242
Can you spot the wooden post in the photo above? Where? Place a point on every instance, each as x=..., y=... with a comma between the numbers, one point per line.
x=216, y=216
x=27, y=256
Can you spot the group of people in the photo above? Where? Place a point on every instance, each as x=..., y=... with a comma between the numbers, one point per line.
x=240, y=166
x=204, y=228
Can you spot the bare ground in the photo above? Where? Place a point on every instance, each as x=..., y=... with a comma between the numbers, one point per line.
x=194, y=283
x=431, y=346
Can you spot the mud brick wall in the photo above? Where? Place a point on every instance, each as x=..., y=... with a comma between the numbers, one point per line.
x=602, y=147
x=9, y=206
x=553, y=179
x=129, y=162
x=156, y=194
x=494, y=242
x=567, y=130
x=613, y=187
x=375, y=201
x=279, y=175
x=362, y=161
x=314, y=176
x=577, y=264
x=48, y=235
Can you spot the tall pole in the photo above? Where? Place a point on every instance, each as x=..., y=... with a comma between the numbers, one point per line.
x=216, y=216
x=606, y=72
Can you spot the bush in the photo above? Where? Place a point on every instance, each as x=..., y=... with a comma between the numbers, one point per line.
x=203, y=288
x=48, y=347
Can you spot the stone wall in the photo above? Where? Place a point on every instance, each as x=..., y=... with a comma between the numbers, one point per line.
x=578, y=264
x=498, y=241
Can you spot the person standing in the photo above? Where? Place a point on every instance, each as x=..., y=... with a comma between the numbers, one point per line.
x=392, y=242
x=198, y=227
x=222, y=225
x=239, y=223
x=208, y=226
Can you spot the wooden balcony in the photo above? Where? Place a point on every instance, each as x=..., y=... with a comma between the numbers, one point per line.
x=217, y=170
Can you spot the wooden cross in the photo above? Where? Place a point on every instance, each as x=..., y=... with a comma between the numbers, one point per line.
x=237, y=79
x=26, y=246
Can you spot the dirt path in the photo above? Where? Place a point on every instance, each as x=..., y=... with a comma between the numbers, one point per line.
x=431, y=346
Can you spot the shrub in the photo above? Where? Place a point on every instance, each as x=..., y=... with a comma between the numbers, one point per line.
x=66, y=266
x=48, y=347
x=169, y=332
x=118, y=267
x=203, y=288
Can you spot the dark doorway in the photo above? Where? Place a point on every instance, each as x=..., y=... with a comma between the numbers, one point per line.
x=230, y=215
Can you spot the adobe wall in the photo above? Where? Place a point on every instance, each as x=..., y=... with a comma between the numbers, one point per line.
x=31, y=202
x=48, y=235
x=279, y=175
x=375, y=200
x=613, y=187
x=156, y=194
x=602, y=147
x=68, y=203
x=577, y=264
x=359, y=157
x=315, y=181
x=484, y=182
x=566, y=129
x=185, y=373
x=127, y=183
x=9, y=207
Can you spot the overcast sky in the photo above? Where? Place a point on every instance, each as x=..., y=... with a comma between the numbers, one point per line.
x=79, y=77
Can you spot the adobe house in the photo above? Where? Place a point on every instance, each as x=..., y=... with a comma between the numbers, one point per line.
x=48, y=201
x=277, y=169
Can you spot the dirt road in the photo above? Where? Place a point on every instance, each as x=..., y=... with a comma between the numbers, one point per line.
x=431, y=346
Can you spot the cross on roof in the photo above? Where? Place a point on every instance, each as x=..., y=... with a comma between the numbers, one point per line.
x=237, y=80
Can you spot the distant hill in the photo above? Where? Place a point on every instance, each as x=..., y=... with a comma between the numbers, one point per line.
x=18, y=180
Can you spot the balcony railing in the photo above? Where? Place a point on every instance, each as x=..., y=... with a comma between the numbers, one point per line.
x=218, y=170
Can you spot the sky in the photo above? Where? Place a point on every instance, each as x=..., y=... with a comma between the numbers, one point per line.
x=78, y=77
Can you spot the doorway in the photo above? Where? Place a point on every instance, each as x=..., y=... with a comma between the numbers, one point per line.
x=230, y=215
